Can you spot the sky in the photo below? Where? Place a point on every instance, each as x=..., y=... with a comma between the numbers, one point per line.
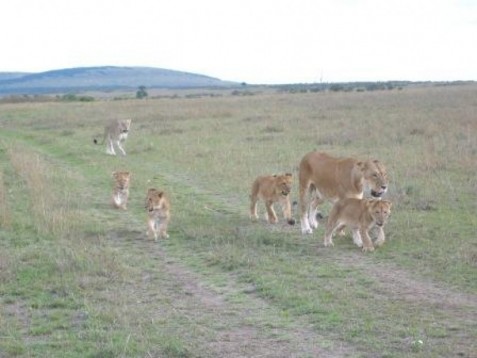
x=252, y=41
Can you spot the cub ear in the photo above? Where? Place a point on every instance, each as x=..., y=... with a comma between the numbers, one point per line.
x=369, y=204
x=388, y=203
x=375, y=161
x=361, y=165
x=160, y=194
x=288, y=174
x=113, y=174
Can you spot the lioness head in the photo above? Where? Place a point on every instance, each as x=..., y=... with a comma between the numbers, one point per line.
x=379, y=211
x=284, y=183
x=124, y=125
x=155, y=200
x=122, y=179
x=375, y=176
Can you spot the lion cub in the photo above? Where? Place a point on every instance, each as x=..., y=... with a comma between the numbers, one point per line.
x=272, y=189
x=121, y=189
x=158, y=211
x=360, y=215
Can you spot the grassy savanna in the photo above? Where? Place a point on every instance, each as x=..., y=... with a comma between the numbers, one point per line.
x=80, y=279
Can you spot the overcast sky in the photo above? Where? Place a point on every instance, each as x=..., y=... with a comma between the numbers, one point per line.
x=253, y=41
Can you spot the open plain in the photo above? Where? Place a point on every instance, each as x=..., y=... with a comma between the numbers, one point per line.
x=81, y=279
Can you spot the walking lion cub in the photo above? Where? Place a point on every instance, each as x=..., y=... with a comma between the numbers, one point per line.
x=272, y=189
x=158, y=213
x=121, y=189
x=360, y=215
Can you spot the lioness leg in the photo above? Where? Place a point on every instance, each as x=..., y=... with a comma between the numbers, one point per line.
x=271, y=216
x=118, y=144
x=110, y=147
x=313, y=210
x=303, y=197
x=253, y=208
x=367, y=243
x=381, y=238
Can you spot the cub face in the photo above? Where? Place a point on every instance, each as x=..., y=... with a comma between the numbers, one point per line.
x=380, y=211
x=122, y=179
x=284, y=183
x=156, y=200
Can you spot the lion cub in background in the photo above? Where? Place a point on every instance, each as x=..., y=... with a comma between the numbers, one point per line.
x=272, y=189
x=360, y=215
x=158, y=211
x=121, y=189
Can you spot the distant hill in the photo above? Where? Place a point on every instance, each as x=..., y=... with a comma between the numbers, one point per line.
x=106, y=78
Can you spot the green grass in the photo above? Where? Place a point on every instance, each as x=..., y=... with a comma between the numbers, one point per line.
x=79, y=277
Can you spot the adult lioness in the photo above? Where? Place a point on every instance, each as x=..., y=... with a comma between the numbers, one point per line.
x=323, y=177
x=272, y=189
x=158, y=213
x=360, y=215
x=121, y=189
x=116, y=132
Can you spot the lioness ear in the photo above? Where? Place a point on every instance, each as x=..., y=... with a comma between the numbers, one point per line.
x=160, y=194
x=288, y=174
x=375, y=161
x=113, y=174
x=361, y=165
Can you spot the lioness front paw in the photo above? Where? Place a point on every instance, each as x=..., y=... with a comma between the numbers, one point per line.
x=379, y=243
x=358, y=243
x=314, y=224
x=368, y=248
x=329, y=243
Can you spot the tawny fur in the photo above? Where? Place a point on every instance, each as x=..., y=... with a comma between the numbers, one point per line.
x=360, y=215
x=115, y=133
x=326, y=178
x=158, y=214
x=272, y=189
x=121, y=189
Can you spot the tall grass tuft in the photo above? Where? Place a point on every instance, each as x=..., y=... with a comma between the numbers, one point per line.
x=52, y=206
x=5, y=214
